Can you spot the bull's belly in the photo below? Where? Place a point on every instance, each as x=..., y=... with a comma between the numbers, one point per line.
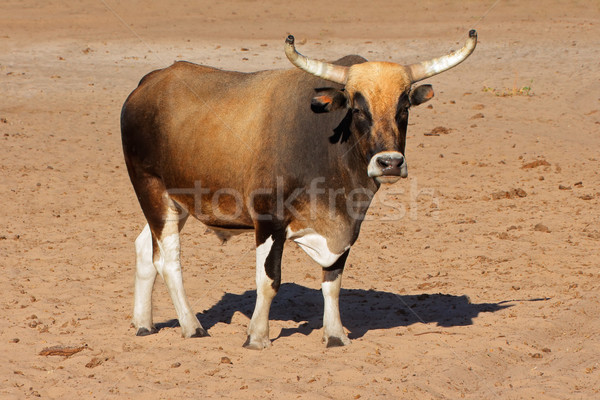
x=227, y=214
x=224, y=234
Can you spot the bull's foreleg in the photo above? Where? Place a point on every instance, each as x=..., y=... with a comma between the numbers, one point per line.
x=167, y=263
x=268, y=280
x=333, y=331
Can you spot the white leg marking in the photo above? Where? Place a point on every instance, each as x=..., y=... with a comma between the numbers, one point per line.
x=145, y=275
x=169, y=268
x=258, y=330
x=315, y=245
x=333, y=331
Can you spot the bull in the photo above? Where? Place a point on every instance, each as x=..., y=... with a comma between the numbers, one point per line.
x=294, y=154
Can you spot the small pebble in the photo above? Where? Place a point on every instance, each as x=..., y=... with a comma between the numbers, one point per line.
x=541, y=228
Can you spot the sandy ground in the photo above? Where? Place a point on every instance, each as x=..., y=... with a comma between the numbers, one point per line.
x=450, y=292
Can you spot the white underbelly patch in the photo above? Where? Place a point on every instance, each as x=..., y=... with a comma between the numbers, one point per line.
x=315, y=245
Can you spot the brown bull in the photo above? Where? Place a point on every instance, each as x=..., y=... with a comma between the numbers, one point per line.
x=285, y=153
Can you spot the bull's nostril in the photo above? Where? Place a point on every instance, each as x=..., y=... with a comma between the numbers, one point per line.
x=390, y=162
x=384, y=162
x=397, y=162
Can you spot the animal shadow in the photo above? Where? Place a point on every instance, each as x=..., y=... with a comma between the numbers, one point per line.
x=361, y=310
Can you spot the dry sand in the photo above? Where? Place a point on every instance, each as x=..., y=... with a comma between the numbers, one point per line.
x=453, y=290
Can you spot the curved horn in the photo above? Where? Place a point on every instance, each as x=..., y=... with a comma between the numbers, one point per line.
x=331, y=72
x=429, y=68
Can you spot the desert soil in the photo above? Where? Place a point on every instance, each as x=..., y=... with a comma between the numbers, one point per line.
x=477, y=277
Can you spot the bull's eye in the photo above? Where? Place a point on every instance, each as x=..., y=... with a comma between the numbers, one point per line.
x=361, y=120
x=361, y=114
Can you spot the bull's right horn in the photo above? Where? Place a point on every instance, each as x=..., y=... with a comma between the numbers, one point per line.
x=331, y=72
x=429, y=68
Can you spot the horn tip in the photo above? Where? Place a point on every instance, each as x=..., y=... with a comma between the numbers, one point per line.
x=472, y=33
x=290, y=39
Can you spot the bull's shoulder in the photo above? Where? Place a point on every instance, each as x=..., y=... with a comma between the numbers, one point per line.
x=349, y=60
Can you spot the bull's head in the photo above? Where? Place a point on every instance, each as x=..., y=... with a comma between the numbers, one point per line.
x=379, y=95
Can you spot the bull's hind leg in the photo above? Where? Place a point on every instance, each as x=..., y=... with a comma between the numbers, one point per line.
x=158, y=250
x=269, y=249
x=333, y=331
x=145, y=275
x=166, y=260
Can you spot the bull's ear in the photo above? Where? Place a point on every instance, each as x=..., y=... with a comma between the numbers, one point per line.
x=421, y=94
x=328, y=99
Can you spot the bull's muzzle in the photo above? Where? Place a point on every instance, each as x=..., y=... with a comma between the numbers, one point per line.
x=388, y=167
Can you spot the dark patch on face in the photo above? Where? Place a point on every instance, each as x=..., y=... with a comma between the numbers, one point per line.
x=402, y=119
x=361, y=114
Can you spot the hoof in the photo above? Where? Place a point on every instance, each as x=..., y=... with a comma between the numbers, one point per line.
x=333, y=341
x=146, y=331
x=257, y=344
x=200, y=332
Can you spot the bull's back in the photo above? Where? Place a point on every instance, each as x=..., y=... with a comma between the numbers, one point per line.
x=191, y=123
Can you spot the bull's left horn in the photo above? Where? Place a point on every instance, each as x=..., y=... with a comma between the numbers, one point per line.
x=429, y=68
x=331, y=72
